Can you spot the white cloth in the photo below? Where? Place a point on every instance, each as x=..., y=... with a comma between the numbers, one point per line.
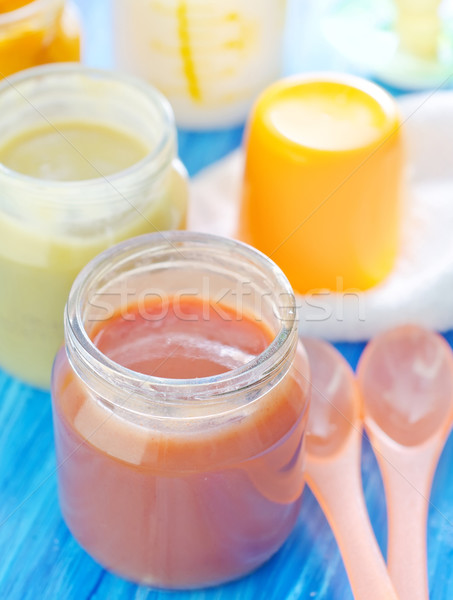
x=420, y=289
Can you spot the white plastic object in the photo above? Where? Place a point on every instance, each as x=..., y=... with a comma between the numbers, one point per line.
x=210, y=58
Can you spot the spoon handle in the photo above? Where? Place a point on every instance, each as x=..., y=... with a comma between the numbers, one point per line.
x=407, y=473
x=337, y=485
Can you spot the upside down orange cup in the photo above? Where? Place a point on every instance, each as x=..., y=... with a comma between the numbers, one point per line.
x=323, y=181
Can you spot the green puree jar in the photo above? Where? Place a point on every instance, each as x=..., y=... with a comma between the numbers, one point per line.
x=87, y=159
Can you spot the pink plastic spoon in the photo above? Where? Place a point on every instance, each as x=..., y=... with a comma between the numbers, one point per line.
x=406, y=379
x=334, y=438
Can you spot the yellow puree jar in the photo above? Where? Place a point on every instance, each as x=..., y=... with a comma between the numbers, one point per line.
x=37, y=32
x=88, y=158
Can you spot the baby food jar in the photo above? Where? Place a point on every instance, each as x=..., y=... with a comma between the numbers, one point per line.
x=210, y=59
x=37, y=32
x=180, y=482
x=92, y=161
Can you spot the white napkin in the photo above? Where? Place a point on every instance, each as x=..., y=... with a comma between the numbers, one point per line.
x=420, y=289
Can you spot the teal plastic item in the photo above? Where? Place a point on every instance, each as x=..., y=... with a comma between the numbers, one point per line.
x=407, y=44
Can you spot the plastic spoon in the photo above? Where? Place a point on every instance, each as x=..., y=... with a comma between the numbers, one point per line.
x=406, y=379
x=334, y=438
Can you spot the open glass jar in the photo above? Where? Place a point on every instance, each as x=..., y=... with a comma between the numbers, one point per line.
x=35, y=32
x=171, y=482
x=49, y=229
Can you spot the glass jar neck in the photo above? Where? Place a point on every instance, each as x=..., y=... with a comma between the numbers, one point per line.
x=71, y=93
x=42, y=12
x=176, y=263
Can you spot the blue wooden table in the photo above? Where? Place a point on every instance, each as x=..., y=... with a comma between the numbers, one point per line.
x=39, y=559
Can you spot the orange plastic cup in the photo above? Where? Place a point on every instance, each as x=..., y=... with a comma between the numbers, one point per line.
x=323, y=181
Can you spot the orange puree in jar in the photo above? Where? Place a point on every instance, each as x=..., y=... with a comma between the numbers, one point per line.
x=181, y=502
x=35, y=33
x=9, y=5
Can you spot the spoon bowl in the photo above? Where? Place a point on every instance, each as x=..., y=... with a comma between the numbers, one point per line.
x=335, y=403
x=406, y=378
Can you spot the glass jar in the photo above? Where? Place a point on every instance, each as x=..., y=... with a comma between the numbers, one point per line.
x=37, y=32
x=210, y=59
x=50, y=229
x=180, y=483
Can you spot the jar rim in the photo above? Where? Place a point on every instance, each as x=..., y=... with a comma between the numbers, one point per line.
x=262, y=366
x=26, y=11
x=156, y=98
